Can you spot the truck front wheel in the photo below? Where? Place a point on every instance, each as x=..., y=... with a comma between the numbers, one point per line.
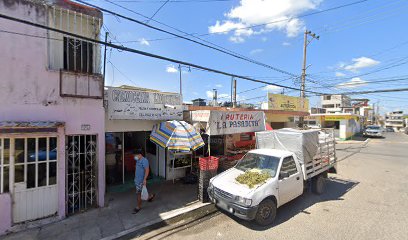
x=319, y=184
x=266, y=212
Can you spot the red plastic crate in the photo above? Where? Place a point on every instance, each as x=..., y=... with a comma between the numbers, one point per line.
x=208, y=163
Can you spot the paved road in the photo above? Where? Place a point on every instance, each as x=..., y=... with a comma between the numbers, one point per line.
x=367, y=199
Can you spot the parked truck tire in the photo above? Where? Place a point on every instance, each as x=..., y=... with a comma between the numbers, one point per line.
x=266, y=212
x=319, y=183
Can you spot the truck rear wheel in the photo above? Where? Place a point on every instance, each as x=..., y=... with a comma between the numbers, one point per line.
x=266, y=212
x=319, y=184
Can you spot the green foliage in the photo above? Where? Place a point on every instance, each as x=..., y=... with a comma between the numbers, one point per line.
x=253, y=178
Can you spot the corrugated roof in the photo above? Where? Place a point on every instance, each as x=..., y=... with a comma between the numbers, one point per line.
x=34, y=124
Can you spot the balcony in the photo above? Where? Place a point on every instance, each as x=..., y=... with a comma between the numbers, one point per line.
x=81, y=85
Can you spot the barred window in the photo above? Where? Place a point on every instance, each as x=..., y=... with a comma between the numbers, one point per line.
x=78, y=55
x=36, y=161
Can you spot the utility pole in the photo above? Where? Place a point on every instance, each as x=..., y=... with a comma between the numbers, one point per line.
x=234, y=93
x=104, y=69
x=215, y=103
x=302, y=87
x=378, y=113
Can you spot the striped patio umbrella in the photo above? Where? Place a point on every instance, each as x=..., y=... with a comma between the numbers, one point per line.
x=177, y=136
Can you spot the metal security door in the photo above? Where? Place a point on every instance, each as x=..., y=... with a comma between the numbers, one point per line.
x=81, y=172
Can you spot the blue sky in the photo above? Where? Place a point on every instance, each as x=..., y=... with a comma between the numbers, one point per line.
x=358, y=44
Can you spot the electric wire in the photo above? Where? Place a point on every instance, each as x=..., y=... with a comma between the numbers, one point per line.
x=127, y=49
x=217, y=48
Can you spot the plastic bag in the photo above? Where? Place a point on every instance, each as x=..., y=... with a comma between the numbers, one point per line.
x=145, y=194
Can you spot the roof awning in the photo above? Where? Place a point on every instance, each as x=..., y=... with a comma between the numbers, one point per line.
x=29, y=127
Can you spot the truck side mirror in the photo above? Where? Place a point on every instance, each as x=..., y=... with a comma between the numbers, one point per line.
x=283, y=175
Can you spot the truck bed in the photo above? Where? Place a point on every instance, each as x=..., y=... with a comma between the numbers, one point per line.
x=314, y=149
x=325, y=157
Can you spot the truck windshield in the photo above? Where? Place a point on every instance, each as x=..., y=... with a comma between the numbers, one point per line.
x=259, y=161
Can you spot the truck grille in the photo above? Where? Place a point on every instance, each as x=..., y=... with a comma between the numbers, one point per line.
x=223, y=194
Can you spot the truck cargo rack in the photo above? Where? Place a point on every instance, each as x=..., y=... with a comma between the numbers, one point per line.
x=326, y=154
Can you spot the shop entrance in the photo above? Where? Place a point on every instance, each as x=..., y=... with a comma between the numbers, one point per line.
x=81, y=172
x=120, y=163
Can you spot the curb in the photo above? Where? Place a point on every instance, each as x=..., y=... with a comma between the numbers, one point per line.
x=190, y=212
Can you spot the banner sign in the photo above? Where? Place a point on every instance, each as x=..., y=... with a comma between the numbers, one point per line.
x=338, y=118
x=224, y=122
x=200, y=116
x=287, y=103
x=129, y=104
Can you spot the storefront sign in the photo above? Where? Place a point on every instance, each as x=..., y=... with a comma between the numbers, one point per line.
x=200, y=116
x=222, y=123
x=137, y=104
x=338, y=118
x=287, y=103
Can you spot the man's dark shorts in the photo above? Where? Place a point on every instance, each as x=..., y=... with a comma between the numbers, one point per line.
x=139, y=187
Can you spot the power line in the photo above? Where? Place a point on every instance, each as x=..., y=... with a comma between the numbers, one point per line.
x=172, y=1
x=376, y=91
x=268, y=23
x=368, y=82
x=151, y=55
x=130, y=80
x=217, y=48
x=157, y=11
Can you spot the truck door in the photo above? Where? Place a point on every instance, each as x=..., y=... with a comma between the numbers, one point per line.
x=290, y=186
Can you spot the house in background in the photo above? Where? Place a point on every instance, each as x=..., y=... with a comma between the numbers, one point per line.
x=395, y=120
x=335, y=103
x=52, y=135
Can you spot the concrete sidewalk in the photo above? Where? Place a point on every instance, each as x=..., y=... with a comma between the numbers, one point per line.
x=117, y=219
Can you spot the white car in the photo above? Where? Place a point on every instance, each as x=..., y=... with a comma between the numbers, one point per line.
x=373, y=131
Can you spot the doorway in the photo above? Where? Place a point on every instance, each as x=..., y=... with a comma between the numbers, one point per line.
x=81, y=175
x=28, y=170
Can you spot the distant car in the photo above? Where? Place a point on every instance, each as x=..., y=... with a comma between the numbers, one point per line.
x=373, y=131
x=389, y=130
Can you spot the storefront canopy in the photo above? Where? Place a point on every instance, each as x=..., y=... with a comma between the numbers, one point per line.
x=225, y=122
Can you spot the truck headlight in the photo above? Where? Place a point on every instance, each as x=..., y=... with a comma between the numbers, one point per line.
x=210, y=187
x=243, y=201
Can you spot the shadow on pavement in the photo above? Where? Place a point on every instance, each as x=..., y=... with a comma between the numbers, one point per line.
x=359, y=138
x=335, y=189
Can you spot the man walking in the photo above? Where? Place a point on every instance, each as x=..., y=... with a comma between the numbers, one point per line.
x=141, y=174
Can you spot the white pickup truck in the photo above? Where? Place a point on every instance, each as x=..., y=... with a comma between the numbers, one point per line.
x=292, y=158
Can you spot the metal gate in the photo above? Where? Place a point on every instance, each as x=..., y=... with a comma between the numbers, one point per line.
x=81, y=152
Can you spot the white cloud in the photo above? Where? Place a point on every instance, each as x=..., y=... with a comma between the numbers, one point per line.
x=171, y=69
x=256, y=51
x=360, y=63
x=221, y=96
x=209, y=94
x=218, y=85
x=237, y=39
x=255, y=12
x=340, y=74
x=144, y=42
x=272, y=88
x=286, y=44
x=264, y=39
x=353, y=83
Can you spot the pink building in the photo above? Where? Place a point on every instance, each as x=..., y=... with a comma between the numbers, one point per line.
x=52, y=136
